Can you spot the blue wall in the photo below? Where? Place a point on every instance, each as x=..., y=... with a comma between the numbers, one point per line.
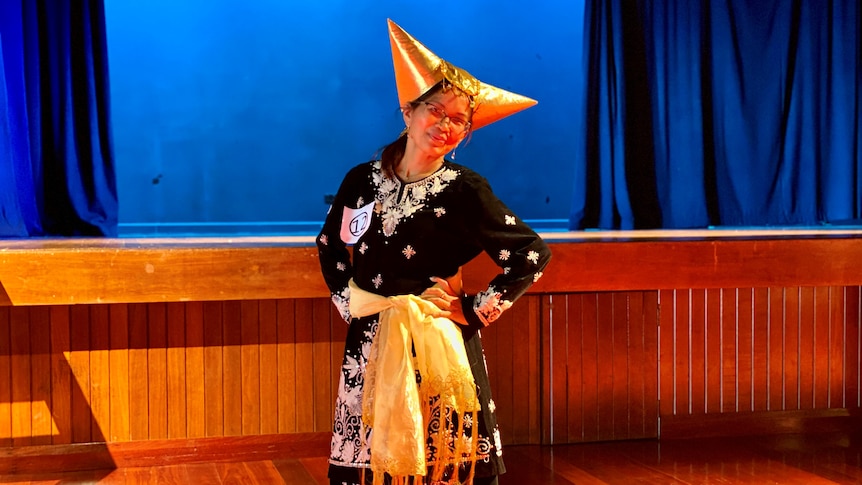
x=243, y=115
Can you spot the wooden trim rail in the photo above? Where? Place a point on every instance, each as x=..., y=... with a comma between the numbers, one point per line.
x=116, y=351
x=92, y=271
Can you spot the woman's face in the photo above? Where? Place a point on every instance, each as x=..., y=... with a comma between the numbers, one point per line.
x=438, y=123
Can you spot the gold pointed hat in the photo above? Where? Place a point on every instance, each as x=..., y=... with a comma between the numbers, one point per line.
x=417, y=69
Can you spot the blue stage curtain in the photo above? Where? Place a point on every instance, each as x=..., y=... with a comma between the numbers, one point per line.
x=57, y=173
x=731, y=113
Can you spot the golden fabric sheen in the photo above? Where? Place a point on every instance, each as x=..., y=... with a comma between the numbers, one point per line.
x=394, y=406
x=417, y=69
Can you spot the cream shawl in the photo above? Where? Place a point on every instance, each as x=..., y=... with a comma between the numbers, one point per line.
x=395, y=407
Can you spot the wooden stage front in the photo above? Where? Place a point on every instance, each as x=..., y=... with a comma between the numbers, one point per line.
x=135, y=352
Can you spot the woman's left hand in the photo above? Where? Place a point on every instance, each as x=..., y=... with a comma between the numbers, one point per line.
x=444, y=296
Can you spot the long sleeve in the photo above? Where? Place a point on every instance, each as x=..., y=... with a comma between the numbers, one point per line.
x=520, y=253
x=335, y=263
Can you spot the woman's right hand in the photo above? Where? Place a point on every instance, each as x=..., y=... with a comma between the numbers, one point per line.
x=446, y=295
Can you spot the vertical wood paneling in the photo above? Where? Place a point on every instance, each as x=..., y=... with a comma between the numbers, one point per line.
x=666, y=346
x=118, y=357
x=807, y=347
x=744, y=347
x=176, y=371
x=636, y=352
x=511, y=346
x=40, y=368
x=533, y=353
x=157, y=365
x=139, y=422
x=232, y=368
x=551, y=306
x=567, y=342
x=79, y=362
x=698, y=354
x=602, y=366
x=621, y=379
x=713, y=350
x=590, y=383
x=321, y=351
x=728, y=341
x=760, y=349
x=5, y=379
x=682, y=351
x=791, y=348
x=61, y=375
x=564, y=368
x=820, y=368
x=782, y=349
x=285, y=320
x=100, y=378
x=303, y=327
x=605, y=375
x=837, y=329
x=776, y=330
x=195, y=365
x=650, y=365
x=21, y=402
x=268, y=362
x=250, y=357
x=523, y=394
x=853, y=348
x=213, y=368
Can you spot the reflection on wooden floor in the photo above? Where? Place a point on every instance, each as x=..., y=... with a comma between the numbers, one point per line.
x=788, y=459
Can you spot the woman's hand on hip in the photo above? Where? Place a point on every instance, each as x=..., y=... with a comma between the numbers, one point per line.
x=445, y=298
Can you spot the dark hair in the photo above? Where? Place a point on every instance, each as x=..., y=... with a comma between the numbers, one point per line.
x=392, y=153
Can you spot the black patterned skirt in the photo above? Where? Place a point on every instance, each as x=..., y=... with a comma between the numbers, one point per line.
x=349, y=453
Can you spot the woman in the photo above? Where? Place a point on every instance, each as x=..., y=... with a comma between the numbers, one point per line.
x=414, y=219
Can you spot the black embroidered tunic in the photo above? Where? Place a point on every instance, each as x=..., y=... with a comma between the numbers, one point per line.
x=402, y=235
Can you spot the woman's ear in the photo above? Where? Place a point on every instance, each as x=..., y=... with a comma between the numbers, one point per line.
x=406, y=113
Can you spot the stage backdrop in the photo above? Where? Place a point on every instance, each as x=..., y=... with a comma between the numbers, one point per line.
x=242, y=116
x=732, y=113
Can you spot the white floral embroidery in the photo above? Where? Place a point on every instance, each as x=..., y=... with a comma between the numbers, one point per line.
x=353, y=368
x=504, y=254
x=378, y=280
x=390, y=220
x=408, y=252
x=533, y=256
x=506, y=270
x=488, y=305
x=352, y=398
x=439, y=211
x=510, y=220
x=363, y=247
x=537, y=276
x=360, y=202
x=341, y=266
x=414, y=197
x=324, y=239
x=468, y=421
x=419, y=192
x=341, y=301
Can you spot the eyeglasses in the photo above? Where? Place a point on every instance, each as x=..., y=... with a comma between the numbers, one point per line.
x=456, y=123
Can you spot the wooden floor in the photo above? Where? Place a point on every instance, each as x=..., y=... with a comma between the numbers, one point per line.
x=788, y=459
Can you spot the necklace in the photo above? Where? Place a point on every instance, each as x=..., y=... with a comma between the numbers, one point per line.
x=413, y=177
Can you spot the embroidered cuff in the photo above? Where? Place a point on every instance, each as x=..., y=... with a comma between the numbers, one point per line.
x=474, y=322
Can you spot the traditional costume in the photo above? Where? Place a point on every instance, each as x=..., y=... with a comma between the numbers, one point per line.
x=414, y=398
